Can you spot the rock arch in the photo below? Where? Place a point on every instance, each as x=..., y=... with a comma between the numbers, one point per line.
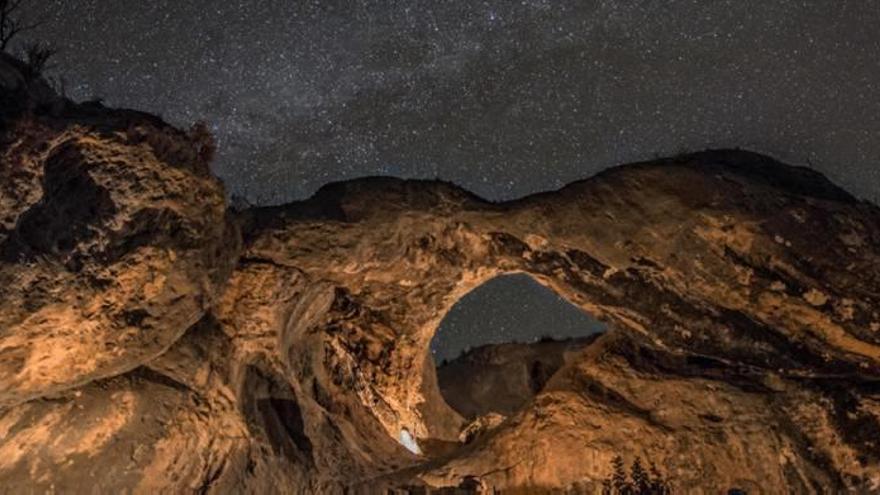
x=667, y=252
x=297, y=360
x=499, y=345
x=678, y=262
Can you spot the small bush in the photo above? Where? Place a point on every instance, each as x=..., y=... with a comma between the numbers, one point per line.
x=203, y=141
x=194, y=148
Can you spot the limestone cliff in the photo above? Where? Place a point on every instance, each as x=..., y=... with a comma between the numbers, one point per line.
x=151, y=341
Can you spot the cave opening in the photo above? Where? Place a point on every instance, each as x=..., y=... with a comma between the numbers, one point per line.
x=499, y=345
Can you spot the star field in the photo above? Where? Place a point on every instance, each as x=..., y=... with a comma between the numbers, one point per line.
x=505, y=98
x=509, y=308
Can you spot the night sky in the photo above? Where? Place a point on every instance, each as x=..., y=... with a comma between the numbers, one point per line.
x=504, y=98
x=509, y=308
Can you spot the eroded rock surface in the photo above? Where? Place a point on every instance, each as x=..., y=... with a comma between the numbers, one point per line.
x=503, y=378
x=114, y=239
x=139, y=352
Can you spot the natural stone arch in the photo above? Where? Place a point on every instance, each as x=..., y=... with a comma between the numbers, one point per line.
x=678, y=263
x=370, y=325
x=501, y=344
x=721, y=272
x=300, y=368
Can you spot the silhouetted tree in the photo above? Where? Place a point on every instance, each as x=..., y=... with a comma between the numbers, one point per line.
x=203, y=140
x=37, y=55
x=639, y=482
x=618, y=478
x=240, y=203
x=11, y=24
x=658, y=485
x=639, y=476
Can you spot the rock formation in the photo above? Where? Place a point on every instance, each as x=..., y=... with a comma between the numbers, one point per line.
x=153, y=342
x=502, y=378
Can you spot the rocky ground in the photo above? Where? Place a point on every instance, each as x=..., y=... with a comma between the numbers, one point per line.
x=153, y=341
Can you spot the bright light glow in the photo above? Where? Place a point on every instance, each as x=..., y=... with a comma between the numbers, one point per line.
x=407, y=440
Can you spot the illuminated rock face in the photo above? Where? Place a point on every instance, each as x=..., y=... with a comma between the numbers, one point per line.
x=141, y=348
x=502, y=378
x=742, y=294
x=114, y=239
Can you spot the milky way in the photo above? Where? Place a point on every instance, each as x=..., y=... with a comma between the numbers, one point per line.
x=504, y=98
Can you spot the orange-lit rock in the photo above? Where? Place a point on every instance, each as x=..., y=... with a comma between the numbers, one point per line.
x=139, y=352
x=502, y=378
x=113, y=240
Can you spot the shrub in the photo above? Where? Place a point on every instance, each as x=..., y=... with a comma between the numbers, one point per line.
x=203, y=141
x=194, y=148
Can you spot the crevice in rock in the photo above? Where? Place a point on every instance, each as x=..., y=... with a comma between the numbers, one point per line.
x=272, y=411
x=149, y=374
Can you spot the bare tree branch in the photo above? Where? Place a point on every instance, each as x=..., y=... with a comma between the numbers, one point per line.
x=10, y=24
x=37, y=55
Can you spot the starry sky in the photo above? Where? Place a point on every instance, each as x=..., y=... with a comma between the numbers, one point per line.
x=504, y=98
x=509, y=308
